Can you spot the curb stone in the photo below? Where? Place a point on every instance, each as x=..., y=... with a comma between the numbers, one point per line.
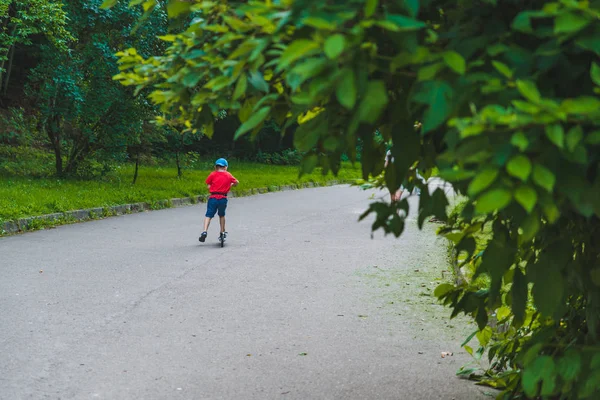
x=41, y=221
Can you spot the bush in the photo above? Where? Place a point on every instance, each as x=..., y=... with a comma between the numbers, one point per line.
x=286, y=157
x=25, y=161
x=17, y=128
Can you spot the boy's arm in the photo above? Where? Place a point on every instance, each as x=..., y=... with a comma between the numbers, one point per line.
x=234, y=181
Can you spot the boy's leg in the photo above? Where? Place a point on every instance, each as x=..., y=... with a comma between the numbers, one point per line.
x=222, y=207
x=222, y=222
x=211, y=209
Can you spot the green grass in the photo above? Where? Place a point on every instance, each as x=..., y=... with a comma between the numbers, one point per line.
x=25, y=197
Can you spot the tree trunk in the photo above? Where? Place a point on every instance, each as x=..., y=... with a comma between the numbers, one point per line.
x=137, y=166
x=53, y=130
x=9, y=69
x=179, y=171
x=80, y=151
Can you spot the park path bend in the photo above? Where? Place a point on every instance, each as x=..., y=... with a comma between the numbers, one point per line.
x=301, y=304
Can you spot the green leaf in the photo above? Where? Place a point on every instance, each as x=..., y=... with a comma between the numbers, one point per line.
x=550, y=209
x=493, y=200
x=530, y=227
x=306, y=70
x=522, y=22
x=526, y=106
x=297, y=49
x=246, y=110
x=258, y=81
x=108, y=4
x=370, y=7
x=556, y=135
x=306, y=137
x=256, y=119
x=569, y=365
x=519, y=140
x=519, y=166
x=519, y=295
x=497, y=259
x=240, y=87
x=334, y=46
x=456, y=175
x=346, y=89
x=574, y=137
x=405, y=23
x=569, y=22
x=175, y=8
x=540, y=370
x=192, y=78
x=527, y=197
x=581, y=105
x=543, y=177
x=455, y=61
x=319, y=23
x=412, y=7
x=593, y=138
x=438, y=97
x=548, y=289
x=217, y=83
x=482, y=180
x=592, y=384
x=529, y=91
x=468, y=339
x=309, y=163
x=429, y=72
x=373, y=102
x=590, y=42
x=531, y=353
x=503, y=69
x=595, y=73
x=484, y=336
x=443, y=289
x=496, y=49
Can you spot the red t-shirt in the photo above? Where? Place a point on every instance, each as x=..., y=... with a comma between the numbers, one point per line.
x=220, y=182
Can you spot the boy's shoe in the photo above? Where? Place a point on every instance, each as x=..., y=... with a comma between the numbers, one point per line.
x=202, y=237
x=223, y=235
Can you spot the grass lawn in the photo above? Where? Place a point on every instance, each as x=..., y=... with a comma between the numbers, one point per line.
x=25, y=197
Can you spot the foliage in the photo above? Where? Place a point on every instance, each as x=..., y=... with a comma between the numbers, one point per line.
x=507, y=93
x=24, y=161
x=18, y=128
x=22, y=196
x=82, y=111
x=286, y=157
x=20, y=20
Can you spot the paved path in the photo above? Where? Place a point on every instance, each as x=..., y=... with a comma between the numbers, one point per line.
x=301, y=304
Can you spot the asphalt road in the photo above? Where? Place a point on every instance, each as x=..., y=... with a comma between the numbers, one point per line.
x=134, y=307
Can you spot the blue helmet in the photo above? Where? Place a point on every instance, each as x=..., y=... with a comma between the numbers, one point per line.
x=221, y=162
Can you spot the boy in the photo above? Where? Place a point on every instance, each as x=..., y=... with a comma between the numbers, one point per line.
x=396, y=196
x=219, y=183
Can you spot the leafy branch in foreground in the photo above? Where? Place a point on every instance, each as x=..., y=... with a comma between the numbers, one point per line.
x=507, y=93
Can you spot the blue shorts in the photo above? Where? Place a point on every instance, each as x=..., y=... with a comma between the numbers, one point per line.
x=215, y=205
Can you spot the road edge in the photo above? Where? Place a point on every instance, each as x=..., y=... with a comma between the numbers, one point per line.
x=29, y=224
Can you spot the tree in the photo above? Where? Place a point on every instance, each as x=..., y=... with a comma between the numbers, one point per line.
x=508, y=97
x=83, y=111
x=20, y=21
